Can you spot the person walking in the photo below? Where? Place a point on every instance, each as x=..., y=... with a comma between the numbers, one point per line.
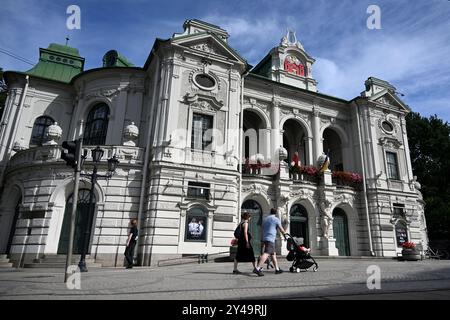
x=270, y=226
x=245, y=250
x=131, y=243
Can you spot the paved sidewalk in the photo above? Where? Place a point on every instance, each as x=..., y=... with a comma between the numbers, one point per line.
x=336, y=279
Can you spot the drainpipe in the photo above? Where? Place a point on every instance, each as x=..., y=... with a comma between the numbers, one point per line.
x=366, y=206
x=145, y=168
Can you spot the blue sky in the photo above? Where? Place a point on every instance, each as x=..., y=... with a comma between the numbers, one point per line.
x=411, y=50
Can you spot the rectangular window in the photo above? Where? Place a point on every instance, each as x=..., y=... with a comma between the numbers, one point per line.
x=201, y=138
x=399, y=210
x=392, y=165
x=198, y=190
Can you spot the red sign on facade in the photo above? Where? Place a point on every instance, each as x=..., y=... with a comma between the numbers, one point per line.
x=293, y=65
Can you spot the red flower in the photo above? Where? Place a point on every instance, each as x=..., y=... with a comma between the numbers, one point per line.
x=408, y=245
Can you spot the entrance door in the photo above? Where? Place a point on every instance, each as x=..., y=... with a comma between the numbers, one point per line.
x=340, y=232
x=299, y=223
x=81, y=221
x=13, y=226
x=255, y=227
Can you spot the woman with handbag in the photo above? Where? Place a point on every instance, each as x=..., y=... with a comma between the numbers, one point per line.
x=245, y=250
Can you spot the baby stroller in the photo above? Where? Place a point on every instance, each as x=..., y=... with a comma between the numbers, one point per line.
x=299, y=255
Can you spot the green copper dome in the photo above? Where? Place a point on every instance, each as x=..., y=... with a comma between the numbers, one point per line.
x=58, y=62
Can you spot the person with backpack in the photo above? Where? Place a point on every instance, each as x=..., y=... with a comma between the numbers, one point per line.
x=271, y=224
x=245, y=250
x=131, y=243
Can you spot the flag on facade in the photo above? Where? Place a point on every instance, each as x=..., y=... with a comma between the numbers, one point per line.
x=325, y=163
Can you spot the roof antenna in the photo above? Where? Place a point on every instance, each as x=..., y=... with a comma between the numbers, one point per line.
x=67, y=39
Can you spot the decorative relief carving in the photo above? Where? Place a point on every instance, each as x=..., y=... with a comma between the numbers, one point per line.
x=302, y=194
x=203, y=102
x=105, y=93
x=205, y=47
x=389, y=142
x=202, y=105
x=255, y=189
x=344, y=198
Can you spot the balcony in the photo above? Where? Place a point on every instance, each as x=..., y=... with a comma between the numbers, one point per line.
x=52, y=154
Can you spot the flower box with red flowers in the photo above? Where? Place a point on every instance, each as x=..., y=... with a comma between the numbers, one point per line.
x=409, y=252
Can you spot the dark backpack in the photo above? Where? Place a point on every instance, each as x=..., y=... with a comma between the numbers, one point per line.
x=238, y=231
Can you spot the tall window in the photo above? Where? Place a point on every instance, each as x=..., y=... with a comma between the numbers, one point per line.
x=200, y=125
x=392, y=164
x=96, y=125
x=39, y=128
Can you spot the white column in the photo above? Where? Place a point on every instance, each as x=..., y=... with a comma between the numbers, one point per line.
x=115, y=127
x=406, y=145
x=317, y=139
x=275, y=134
x=309, y=152
x=268, y=152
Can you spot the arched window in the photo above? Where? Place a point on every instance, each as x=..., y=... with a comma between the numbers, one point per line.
x=96, y=125
x=40, y=126
x=196, y=224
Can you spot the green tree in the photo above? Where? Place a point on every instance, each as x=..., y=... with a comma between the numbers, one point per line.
x=429, y=142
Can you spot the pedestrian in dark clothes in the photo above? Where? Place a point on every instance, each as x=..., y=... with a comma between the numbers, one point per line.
x=131, y=243
x=245, y=250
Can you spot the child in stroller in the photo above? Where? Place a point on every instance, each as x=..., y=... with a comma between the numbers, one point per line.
x=299, y=255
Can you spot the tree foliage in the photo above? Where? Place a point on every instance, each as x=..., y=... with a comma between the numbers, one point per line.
x=429, y=143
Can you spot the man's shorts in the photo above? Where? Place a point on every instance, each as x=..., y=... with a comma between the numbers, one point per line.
x=269, y=247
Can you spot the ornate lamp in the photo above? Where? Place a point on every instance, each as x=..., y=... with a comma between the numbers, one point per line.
x=112, y=164
x=97, y=154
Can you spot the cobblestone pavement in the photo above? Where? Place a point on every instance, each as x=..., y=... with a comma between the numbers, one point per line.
x=335, y=279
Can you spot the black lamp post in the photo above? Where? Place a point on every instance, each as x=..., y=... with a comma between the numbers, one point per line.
x=97, y=155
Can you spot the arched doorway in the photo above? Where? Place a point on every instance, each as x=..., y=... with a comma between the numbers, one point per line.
x=332, y=144
x=254, y=136
x=253, y=207
x=13, y=226
x=340, y=232
x=299, y=223
x=82, y=218
x=294, y=140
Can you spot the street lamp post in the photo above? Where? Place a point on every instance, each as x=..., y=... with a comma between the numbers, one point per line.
x=97, y=155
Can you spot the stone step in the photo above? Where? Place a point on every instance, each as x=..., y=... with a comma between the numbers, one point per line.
x=6, y=265
x=58, y=265
x=61, y=258
x=4, y=261
x=59, y=261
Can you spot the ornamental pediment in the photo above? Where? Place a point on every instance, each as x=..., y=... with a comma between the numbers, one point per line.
x=203, y=102
x=390, y=142
x=386, y=98
x=208, y=44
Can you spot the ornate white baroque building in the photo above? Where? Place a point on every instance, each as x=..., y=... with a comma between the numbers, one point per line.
x=200, y=136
